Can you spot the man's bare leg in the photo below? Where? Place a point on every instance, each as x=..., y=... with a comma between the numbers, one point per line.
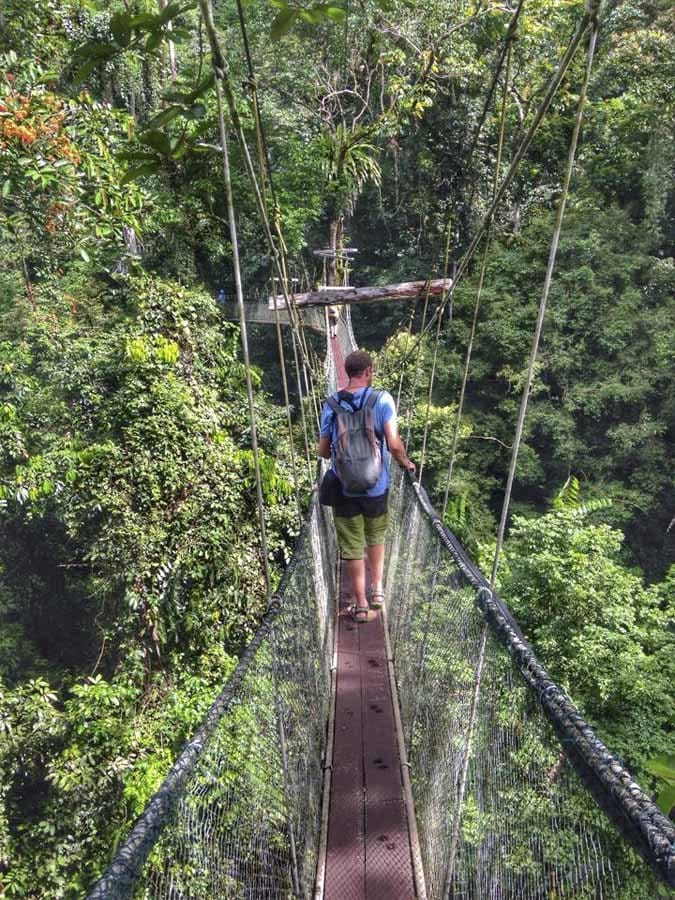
x=357, y=574
x=376, y=560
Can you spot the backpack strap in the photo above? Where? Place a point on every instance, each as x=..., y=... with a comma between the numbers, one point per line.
x=334, y=405
x=368, y=403
x=373, y=397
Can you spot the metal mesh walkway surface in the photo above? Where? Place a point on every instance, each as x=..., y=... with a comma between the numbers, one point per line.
x=371, y=837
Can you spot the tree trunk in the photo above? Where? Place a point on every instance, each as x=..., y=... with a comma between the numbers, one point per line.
x=338, y=296
x=334, y=242
x=172, y=47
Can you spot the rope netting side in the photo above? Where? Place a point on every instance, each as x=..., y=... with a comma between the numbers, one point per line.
x=526, y=821
x=239, y=813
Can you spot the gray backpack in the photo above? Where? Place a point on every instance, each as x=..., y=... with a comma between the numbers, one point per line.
x=358, y=457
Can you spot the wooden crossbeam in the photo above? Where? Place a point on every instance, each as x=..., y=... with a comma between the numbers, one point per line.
x=342, y=295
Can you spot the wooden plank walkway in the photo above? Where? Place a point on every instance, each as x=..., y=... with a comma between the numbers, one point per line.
x=370, y=845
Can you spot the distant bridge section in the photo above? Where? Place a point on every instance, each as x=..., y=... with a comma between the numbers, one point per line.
x=259, y=312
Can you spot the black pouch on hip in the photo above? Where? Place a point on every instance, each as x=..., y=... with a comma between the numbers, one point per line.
x=330, y=489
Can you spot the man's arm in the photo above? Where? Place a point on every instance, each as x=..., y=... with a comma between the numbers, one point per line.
x=324, y=448
x=396, y=446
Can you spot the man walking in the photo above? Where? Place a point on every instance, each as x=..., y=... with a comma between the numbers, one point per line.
x=362, y=517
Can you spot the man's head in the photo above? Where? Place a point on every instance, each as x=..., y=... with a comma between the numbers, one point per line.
x=359, y=365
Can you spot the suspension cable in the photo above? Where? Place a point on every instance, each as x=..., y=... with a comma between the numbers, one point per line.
x=220, y=68
x=409, y=335
x=544, y=297
x=416, y=374
x=432, y=377
x=244, y=336
x=301, y=402
x=265, y=166
x=505, y=54
x=479, y=292
x=495, y=182
x=590, y=16
x=289, y=421
x=486, y=221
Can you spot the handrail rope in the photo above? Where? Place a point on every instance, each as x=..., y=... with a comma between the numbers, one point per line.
x=244, y=335
x=632, y=811
x=486, y=221
x=479, y=292
x=495, y=182
x=544, y=297
x=514, y=457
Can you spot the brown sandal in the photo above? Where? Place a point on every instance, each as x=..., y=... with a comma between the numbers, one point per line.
x=359, y=613
x=376, y=599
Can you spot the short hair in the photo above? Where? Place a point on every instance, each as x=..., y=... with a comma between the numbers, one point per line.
x=357, y=362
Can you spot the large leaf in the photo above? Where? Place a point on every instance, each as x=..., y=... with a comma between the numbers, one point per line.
x=189, y=97
x=135, y=155
x=144, y=20
x=331, y=11
x=95, y=50
x=158, y=140
x=120, y=25
x=179, y=149
x=663, y=766
x=173, y=10
x=154, y=39
x=283, y=22
x=198, y=111
x=147, y=168
x=85, y=70
x=166, y=115
x=666, y=798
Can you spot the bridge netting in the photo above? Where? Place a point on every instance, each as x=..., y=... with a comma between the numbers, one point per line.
x=239, y=814
x=508, y=779
x=501, y=811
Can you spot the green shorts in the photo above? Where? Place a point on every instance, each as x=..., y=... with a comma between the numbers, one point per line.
x=358, y=531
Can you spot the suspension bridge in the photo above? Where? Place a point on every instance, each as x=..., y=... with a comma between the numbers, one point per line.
x=418, y=755
x=426, y=753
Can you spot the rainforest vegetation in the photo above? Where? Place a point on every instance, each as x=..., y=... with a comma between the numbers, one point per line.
x=130, y=558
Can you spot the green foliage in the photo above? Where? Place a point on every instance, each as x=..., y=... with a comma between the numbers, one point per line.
x=317, y=14
x=601, y=632
x=130, y=568
x=138, y=489
x=664, y=769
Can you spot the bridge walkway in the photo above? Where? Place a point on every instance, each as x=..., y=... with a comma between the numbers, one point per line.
x=371, y=840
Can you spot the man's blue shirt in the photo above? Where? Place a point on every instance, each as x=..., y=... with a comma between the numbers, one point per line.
x=383, y=412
